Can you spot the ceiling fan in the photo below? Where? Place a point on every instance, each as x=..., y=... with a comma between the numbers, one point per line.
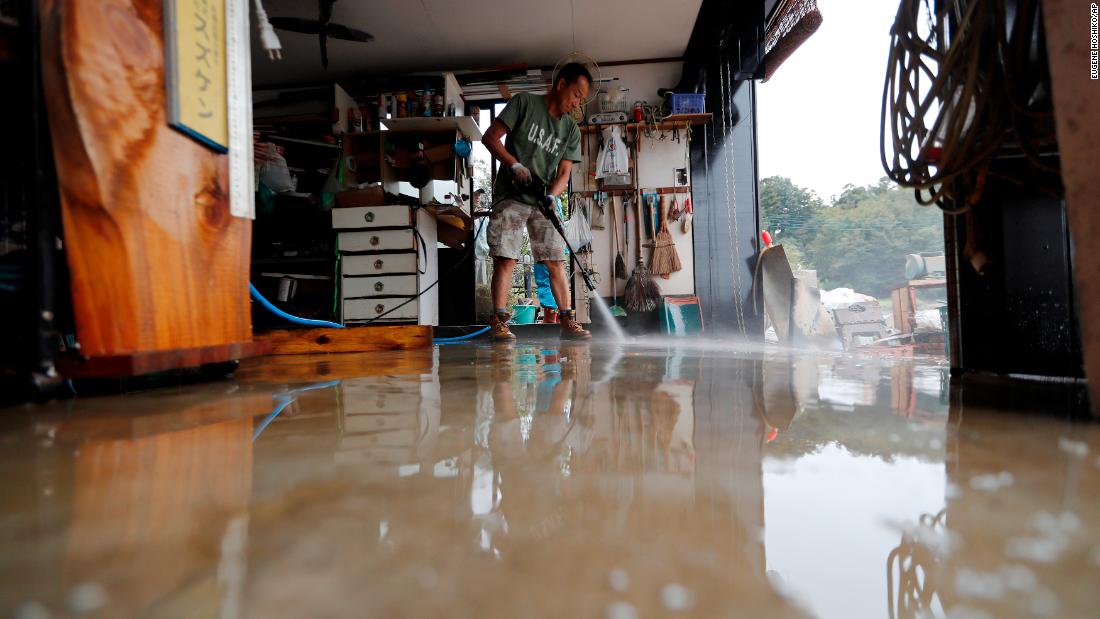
x=322, y=27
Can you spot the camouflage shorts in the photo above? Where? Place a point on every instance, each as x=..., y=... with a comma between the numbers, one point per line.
x=506, y=226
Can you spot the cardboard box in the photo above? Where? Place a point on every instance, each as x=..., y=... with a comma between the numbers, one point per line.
x=371, y=196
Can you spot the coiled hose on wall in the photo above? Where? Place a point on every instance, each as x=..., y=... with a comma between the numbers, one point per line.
x=966, y=81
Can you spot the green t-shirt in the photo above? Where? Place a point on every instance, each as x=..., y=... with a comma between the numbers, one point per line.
x=537, y=140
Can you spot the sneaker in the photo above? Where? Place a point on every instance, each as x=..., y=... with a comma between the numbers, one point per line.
x=570, y=328
x=498, y=328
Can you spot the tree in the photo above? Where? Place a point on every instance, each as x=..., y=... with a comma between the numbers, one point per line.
x=785, y=211
x=483, y=180
x=857, y=241
x=862, y=238
x=785, y=208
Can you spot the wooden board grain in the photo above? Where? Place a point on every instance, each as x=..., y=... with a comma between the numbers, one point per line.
x=147, y=362
x=313, y=368
x=152, y=413
x=148, y=514
x=351, y=339
x=157, y=263
x=1076, y=110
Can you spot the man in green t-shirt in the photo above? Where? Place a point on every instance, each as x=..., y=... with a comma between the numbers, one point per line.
x=542, y=143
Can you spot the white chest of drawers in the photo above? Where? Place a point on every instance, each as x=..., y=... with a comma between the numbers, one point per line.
x=387, y=262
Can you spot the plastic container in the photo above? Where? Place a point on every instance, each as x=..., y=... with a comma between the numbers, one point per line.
x=614, y=102
x=687, y=103
x=523, y=314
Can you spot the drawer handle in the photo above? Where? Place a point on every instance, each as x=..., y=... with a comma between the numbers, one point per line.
x=378, y=264
x=378, y=286
x=378, y=309
x=375, y=240
x=369, y=216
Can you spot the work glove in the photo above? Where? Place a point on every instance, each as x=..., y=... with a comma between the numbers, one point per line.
x=521, y=174
x=555, y=202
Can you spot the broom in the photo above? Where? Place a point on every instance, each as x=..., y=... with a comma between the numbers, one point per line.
x=642, y=293
x=620, y=263
x=665, y=260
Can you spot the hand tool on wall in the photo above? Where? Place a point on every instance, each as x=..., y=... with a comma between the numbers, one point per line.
x=628, y=205
x=617, y=260
x=675, y=211
x=665, y=258
x=642, y=292
x=689, y=214
x=656, y=211
x=648, y=207
x=597, y=213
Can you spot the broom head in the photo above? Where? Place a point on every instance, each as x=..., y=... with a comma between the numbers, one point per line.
x=620, y=267
x=665, y=258
x=642, y=292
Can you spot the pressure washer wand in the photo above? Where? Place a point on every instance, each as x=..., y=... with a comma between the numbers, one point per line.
x=546, y=205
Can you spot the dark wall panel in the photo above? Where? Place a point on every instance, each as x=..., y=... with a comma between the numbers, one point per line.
x=724, y=174
x=1019, y=316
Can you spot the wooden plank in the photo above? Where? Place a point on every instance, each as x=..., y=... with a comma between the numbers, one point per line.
x=157, y=262
x=351, y=339
x=1076, y=110
x=147, y=362
x=313, y=367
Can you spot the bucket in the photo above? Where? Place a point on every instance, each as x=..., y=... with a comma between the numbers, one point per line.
x=523, y=314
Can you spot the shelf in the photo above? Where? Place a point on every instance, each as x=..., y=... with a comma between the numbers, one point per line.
x=293, y=119
x=672, y=122
x=280, y=138
x=630, y=191
x=465, y=124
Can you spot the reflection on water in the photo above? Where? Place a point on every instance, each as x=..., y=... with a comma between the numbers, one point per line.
x=550, y=479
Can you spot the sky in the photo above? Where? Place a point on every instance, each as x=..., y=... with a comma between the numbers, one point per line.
x=832, y=520
x=819, y=115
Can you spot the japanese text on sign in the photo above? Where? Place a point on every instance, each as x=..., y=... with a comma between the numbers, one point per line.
x=197, y=66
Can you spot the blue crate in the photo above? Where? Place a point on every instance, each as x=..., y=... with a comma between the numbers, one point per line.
x=687, y=103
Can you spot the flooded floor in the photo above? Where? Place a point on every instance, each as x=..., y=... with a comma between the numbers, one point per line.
x=555, y=480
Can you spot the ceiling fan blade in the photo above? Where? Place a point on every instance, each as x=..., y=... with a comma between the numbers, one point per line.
x=340, y=31
x=296, y=24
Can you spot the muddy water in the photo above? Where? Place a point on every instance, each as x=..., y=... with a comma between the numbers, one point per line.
x=555, y=480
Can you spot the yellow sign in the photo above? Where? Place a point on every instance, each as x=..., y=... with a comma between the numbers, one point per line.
x=195, y=57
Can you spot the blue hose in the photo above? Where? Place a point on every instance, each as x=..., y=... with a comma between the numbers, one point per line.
x=285, y=316
x=284, y=400
x=324, y=323
x=270, y=417
x=460, y=338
